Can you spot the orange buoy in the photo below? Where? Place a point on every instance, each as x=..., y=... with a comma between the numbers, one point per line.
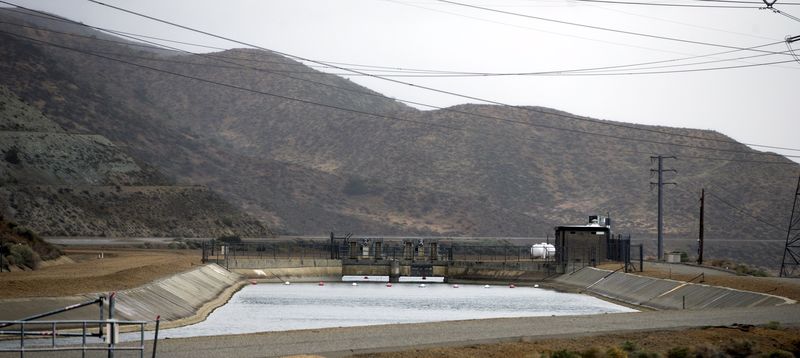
x=253, y=282
x=389, y=284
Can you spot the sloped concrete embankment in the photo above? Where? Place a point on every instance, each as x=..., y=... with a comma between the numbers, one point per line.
x=187, y=297
x=181, y=299
x=665, y=294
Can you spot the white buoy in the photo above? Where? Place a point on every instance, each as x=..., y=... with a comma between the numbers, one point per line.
x=389, y=284
x=321, y=283
x=287, y=283
x=535, y=286
x=512, y=286
x=355, y=283
x=422, y=285
x=487, y=286
x=455, y=286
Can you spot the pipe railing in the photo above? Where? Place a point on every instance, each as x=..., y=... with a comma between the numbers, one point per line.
x=62, y=336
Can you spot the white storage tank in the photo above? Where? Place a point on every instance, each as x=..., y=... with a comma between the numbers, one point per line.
x=543, y=251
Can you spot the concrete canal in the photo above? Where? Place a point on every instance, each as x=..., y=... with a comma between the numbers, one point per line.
x=278, y=307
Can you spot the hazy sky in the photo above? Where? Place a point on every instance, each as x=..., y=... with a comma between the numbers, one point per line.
x=752, y=105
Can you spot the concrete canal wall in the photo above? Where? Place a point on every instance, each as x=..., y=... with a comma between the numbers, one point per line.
x=179, y=296
x=281, y=270
x=190, y=296
x=186, y=297
x=309, y=270
x=664, y=294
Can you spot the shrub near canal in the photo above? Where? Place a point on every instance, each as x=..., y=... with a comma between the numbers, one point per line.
x=22, y=248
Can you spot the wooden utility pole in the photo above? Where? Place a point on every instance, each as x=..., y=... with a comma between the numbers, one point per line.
x=700, y=238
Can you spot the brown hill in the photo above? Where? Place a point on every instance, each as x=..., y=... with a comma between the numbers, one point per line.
x=306, y=166
x=67, y=184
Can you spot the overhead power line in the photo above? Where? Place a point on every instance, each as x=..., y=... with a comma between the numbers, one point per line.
x=625, y=32
x=312, y=102
x=745, y=212
x=420, y=73
x=173, y=73
x=759, y=3
x=381, y=116
x=591, y=133
x=572, y=72
x=420, y=86
x=672, y=4
x=761, y=221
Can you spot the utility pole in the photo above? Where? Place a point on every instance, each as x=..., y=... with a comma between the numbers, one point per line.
x=791, y=253
x=700, y=238
x=660, y=185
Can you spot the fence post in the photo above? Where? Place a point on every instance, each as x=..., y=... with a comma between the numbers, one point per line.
x=155, y=336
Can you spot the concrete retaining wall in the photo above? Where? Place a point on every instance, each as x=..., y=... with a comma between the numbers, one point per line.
x=235, y=264
x=293, y=274
x=665, y=294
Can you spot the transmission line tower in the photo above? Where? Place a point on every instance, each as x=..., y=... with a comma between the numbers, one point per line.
x=791, y=254
x=660, y=184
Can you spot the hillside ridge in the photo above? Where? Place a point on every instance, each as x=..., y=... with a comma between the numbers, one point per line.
x=466, y=170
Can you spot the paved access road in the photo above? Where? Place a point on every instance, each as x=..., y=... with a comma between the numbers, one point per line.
x=343, y=341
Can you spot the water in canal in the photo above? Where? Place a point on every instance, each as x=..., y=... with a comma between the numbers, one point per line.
x=276, y=307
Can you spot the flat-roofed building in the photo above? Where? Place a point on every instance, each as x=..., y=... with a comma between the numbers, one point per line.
x=584, y=245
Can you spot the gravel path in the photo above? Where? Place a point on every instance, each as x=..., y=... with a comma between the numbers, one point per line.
x=344, y=341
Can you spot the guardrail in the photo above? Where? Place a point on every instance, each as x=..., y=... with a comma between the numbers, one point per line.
x=105, y=330
x=72, y=335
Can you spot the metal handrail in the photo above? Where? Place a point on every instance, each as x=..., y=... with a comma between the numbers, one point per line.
x=84, y=332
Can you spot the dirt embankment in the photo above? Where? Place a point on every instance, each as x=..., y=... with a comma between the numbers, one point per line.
x=740, y=341
x=119, y=269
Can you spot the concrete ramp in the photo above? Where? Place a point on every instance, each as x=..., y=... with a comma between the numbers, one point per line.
x=665, y=294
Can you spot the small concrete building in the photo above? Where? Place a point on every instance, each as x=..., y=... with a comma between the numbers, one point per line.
x=579, y=246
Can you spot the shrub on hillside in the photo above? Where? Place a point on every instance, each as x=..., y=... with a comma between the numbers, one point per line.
x=20, y=246
x=230, y=239
x=45, y=250
x=678, y=352
x=12, y=155
x=23, y=255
